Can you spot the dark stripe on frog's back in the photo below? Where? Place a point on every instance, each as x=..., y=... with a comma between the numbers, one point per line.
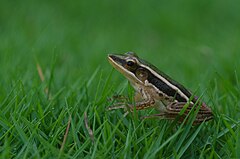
x=178, y=85
x=165, y=88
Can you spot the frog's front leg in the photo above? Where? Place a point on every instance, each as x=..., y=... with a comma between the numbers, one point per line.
x=138, y=106
x=121, y=102
x=143, y=100
x=140, y=103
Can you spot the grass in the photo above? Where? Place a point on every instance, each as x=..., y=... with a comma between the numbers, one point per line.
x=54, y=70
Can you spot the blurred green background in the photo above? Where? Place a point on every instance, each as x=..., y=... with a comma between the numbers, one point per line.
x=180, y=37
x=195, y=42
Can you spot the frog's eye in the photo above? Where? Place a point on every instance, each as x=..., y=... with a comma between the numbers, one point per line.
x=142, y=74
x=130, y=63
